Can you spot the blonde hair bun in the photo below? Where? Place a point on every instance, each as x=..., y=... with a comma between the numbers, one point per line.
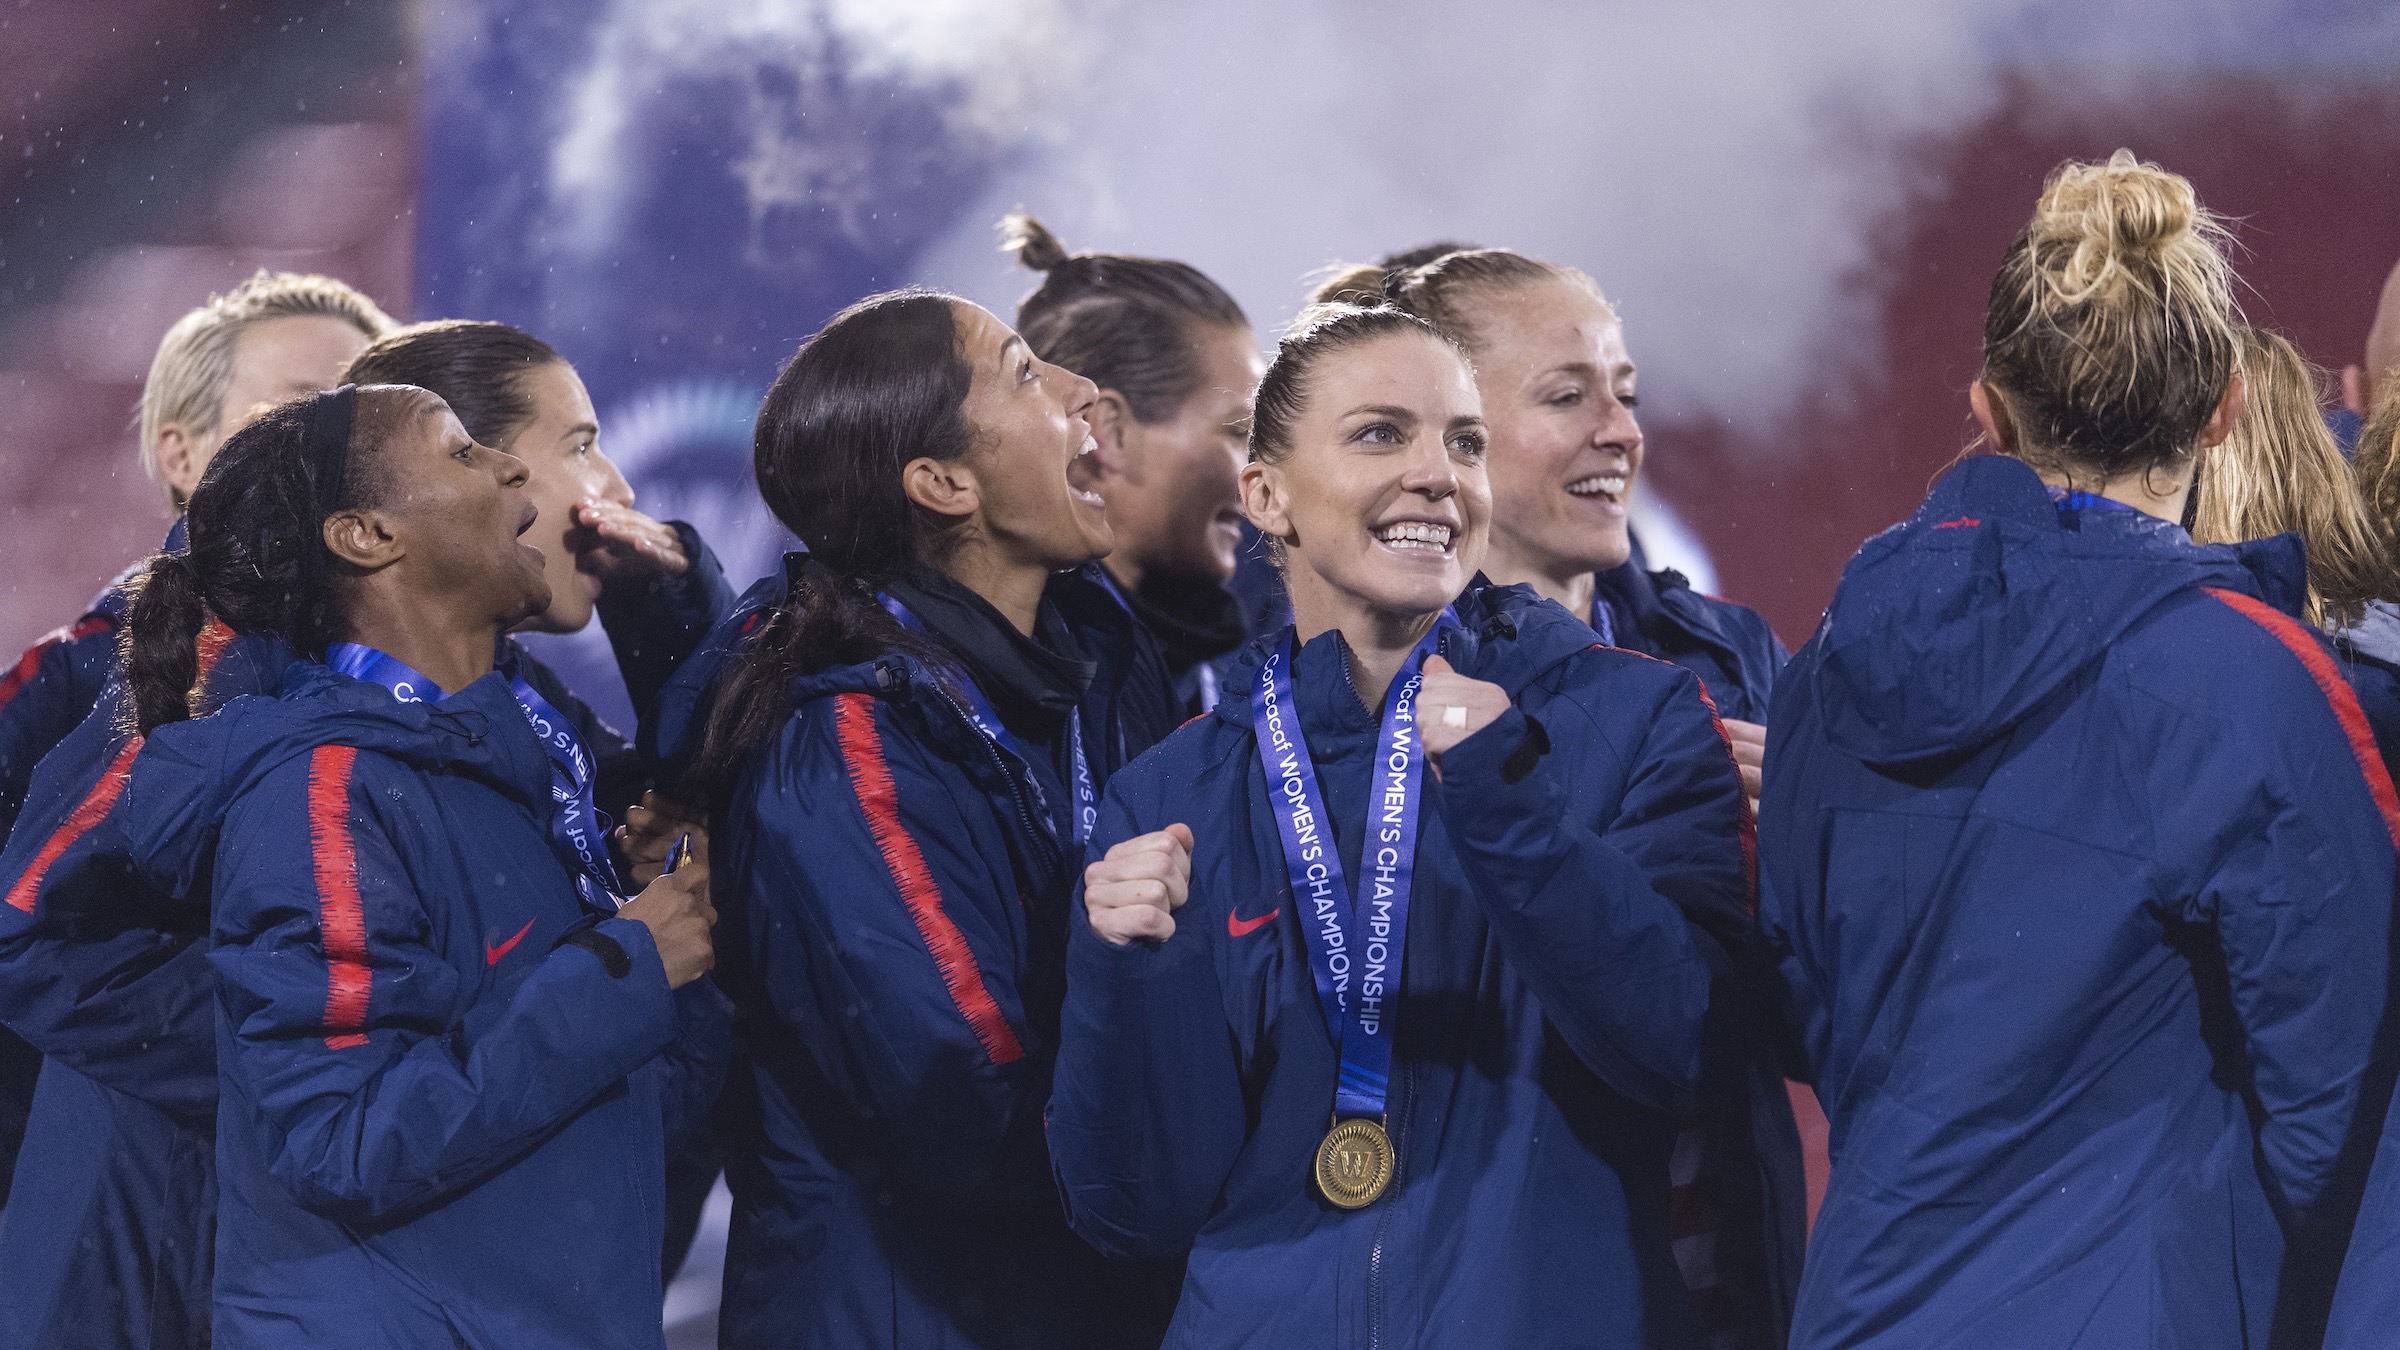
x=2100, y=226
x=1031, y=241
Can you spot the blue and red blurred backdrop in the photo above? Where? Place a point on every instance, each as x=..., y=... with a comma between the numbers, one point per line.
x=1797, y=207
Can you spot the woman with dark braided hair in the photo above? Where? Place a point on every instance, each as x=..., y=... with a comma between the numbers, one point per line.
x=440, y=1020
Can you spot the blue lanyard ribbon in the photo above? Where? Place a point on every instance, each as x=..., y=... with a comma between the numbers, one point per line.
x=979, y=711
x=576, y=833
x=1366, y=934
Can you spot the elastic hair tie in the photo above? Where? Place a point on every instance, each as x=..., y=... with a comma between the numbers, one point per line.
x=329, y=419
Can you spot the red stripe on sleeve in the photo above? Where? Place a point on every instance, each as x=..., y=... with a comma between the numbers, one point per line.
x=342, y=918
x=871, y=779
x=87, y=813
x=2321, y=668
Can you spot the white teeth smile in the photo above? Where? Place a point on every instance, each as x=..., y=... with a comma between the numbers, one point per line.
x=1090, y=443
x=1416, y=534
x=1609, y=485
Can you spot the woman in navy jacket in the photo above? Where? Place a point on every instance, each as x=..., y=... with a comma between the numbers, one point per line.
x=1489, y=1163
x=1558, y=390
x=906, y=758
x=2078, y=849
x=437, y=1030
x=108, y=976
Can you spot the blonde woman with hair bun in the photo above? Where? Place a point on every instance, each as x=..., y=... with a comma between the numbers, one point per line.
x=2076, y=852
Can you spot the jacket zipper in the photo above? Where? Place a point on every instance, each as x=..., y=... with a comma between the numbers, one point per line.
x=1016, y=790
x=1383, y=1217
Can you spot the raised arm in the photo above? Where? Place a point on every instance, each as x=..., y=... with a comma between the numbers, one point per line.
x=1147, y=1116
x=1608, y=927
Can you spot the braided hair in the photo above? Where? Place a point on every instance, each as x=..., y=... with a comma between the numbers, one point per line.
x=257, y=560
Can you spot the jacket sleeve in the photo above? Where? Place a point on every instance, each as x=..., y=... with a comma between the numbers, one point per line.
x=1148, y=1113
x=2301, y=908
x=101, y=968
x=375, y=1093
x=1609, y=926
x=882, y=928
x=654, y=622
x=46, y=695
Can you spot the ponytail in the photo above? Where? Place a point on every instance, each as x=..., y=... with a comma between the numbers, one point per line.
x=1129, y=324
x=825, y=620
x=161, y=644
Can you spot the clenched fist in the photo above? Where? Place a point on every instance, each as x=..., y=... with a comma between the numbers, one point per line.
x=1451, y=707
x=1135, y=891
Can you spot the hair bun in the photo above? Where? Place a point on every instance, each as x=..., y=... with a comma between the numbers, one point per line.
x=1365, y=285
x=2105, y=222
x=1031, y=241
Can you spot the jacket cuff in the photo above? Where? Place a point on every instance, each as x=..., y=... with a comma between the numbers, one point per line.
x=630, y=1000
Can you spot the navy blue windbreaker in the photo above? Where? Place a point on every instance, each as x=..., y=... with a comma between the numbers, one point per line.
x=1742, y=1201
x=893, y=893
x=108, y=976
x=1573, y=912
x=437, y=1125
x=42, y=697
x=1730, y=647
x=2079, y=858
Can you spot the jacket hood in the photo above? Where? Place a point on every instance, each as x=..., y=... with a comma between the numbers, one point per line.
x=189, y=774
x=1508, y=635
x=1951, y=627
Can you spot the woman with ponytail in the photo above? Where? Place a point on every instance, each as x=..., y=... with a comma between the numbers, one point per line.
x=2076, y=849
x=1175, y=362
x=905, y=761
x=441, y=1020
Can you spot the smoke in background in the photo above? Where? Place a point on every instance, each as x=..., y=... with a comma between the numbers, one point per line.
x=1722, y=169
x=675, y=192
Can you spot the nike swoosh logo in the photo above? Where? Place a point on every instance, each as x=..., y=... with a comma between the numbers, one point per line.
x=492, y=954
x=1237, y=926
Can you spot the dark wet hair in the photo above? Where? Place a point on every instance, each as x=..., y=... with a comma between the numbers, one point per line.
x=257, y=559
x=1123, y=322
x=478, y=368
x=880, y=385
x=1422, y=254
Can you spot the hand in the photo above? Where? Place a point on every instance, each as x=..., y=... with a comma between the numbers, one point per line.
x=1479, y=702
x=1750, y=756
x=650, y=829
x=676, y=910
x=1135, y=891
x=611, y=540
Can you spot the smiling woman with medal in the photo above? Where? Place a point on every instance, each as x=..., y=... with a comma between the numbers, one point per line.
x=1389, y=984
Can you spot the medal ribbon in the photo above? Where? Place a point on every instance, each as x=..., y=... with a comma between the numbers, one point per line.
x=1367, y=933
x=576, y=835
x=979, y=711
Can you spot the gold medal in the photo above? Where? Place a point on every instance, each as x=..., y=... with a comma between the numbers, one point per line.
x=1355, y=1163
